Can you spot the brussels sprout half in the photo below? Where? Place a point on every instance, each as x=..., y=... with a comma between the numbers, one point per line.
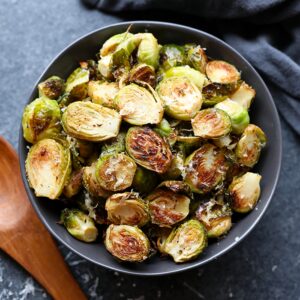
x=115, y=172
x=238, y=115
x=171, y=56
x=91, y=184
x=219, y=71
x=79, y=225
x=127, y=209
x=167, y=207
x=148, y=50
x=138, y=106
x=76, y=84
x=249, y=146
x=127, y=243
x=48, y=167
x=103, y=92
x=197, y=58
x=244, y=95
x=186, y=242
x=211, y=123
x=205, y=169
x=41, y=120
x=90, y=121
x=181, y=97
x=52, y=87
x=244, y=192
x=148, y=149
x=144, y=181
x=215, y=216
x=142, y=74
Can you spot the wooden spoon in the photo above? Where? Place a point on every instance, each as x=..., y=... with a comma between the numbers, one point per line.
x=24, y=237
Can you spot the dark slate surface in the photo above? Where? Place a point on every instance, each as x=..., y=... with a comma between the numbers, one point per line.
x=264, y=266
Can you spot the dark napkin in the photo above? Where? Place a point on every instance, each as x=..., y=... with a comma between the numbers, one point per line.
x=266, y=33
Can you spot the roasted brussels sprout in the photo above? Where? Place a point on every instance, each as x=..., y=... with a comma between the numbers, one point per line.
x=114, y=145
x=219, y=71
x=148, y=50
x=197, y=58
x=52, y=87
x=214, y=93
x=105, y=66
x=181, y=97
x=185, y=71
x=111, y=44
x=142, y=74
x=48, y=167
x=138, y=106
x=211, y=123
x=91, y=184
x=79, y=225
x=244, y=192
x=244, y=95
x=175, y=186
x=91, y=122
x=215, y=216
x=76, y=84
x=127, y=243
x=127, y=209
x=205, y=168
x=148, y=149
x=167, y=207
x=144, y=181
x=171, y=56
x=103, y=92
x=41, y=119
x=186, y=242
x=74, y=184
x=162, y=238
x=249, y=146
x=115, y=172
x=238, y=115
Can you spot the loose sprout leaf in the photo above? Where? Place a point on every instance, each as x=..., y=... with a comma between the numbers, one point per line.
x=148, y=50
x=48, y=167
x=219, y=71
x=91, y=122
x=244, y=95
x=148, y=149
x=127, y=243
x=76, y=84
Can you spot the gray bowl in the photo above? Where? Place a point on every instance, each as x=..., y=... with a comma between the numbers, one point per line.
x=263, y=113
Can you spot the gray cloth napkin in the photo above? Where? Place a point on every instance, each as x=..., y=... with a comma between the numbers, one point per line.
x=268, y=37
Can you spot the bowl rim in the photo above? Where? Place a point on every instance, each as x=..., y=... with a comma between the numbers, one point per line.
x=194, y=264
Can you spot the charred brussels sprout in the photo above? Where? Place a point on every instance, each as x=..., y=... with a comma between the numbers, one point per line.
x=148, y=149
x=205, y=169
x=76, y=84
x=186, y=242
x=127, y=243
x=79, y=225
x=197, y=58
x=111, y=44
x=74, y=184
x=244, y=192
x=52, y=87
x=91, y=122
x=215, y=216
x=185, y=71
x=127, y=209
x=142, y=74
x=41, y=119
x=175, y=186
x=238, y=115
x=249, y=146
x=91, y=184
x=219, y=71
x=181, y=97
x=115, y=172
x=48, y=167
x=244, y=95
x=211, y=123
x=171, y=56
x=167, y=207
x=214, y=93
x=138, y=106
x=104, y=93
x=144, y=181
x=148, y=50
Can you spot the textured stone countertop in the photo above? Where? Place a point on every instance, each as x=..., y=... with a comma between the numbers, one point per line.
x=266, y=265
